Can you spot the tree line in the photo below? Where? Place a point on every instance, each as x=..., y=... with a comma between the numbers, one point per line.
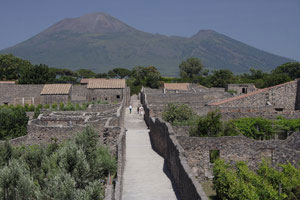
x=190, y=70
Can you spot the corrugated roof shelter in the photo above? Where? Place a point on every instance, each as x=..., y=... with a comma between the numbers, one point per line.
x=176, y=86
x=56, y=89
x=106, y=84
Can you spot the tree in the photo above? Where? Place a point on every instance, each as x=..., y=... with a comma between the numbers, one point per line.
x=37, y=74
x=275, y=79
x=119, y=73
x=152, y=77
x=190, y=68
x=86, y=73
x=221, y=78
x=13, y=122
x=209, y=125
x=10, y=66
x=292, y=69
x=177, y=113
x=102, y=75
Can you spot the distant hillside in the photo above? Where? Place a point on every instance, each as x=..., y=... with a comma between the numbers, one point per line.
x=101, y=42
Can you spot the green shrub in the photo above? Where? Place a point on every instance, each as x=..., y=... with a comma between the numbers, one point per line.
x=84, y=106
x=61, y=106
x=177, y=113
x=13, y=121
x=69, y=107
x=239, y=182
x=256, y=128
x=47, y=106
x=31, y=108
x=54, y=106
x=40, y=106
x=26, y=107
x=231, y=91
x=77, y=106
x=209, y=125
x=37, y=112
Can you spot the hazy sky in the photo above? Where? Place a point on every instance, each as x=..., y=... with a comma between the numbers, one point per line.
x=271, y=25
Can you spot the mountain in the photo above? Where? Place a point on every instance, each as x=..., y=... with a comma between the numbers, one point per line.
x=101, y=42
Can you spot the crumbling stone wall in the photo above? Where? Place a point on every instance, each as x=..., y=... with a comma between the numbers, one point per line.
x=238, y=148
x=280, y=96
x=241, y=88
x=165, y=143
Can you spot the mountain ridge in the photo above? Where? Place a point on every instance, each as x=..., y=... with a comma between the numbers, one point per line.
x=101, y=42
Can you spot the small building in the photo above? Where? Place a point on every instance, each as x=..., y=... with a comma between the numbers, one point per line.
x=8, y=82
x=56, y=93
x=176, y=87
x=241, y=88
x=106, y=90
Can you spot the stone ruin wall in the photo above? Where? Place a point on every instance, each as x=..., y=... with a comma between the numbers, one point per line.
x=282, y=96
x=62, y=125
x=17, y=94
x=238, y=148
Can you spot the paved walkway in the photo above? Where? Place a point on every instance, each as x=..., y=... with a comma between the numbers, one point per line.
x=144, y=178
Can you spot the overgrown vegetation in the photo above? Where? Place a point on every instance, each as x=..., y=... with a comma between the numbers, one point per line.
x=76, y=169
x=211, y=125
x=178, y=114
x=13, y=122
x=240, y=183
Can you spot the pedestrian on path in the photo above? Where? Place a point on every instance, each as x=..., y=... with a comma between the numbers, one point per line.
x=130, y=109
x=141, y=110
x=138, y=109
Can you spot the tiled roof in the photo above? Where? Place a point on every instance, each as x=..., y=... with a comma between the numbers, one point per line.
x=86, y=80
x=247, y=95
x=56, y=89
x=106, y=83
x=7, y=82
x=176, y=86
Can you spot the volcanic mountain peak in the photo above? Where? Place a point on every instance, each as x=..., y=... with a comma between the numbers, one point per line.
x=91, y=23
x=101, y=42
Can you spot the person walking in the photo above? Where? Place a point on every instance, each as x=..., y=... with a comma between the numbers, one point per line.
x=141, y=110
x=138, y=109
x=130, y=109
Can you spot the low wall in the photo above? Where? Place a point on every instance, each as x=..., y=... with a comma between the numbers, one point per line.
x=164, y=142
x=121, y=154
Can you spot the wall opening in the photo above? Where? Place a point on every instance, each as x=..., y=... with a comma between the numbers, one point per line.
x=279, y=109
x=118, y=96
x=214, y=155
x=244, y=90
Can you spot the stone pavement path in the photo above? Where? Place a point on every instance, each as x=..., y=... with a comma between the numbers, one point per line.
x=143, y=178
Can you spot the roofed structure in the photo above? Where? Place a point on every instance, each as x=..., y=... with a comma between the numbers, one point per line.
x=7, y=82
x=176, y=86
x=106, y=84
x=86, y=80
x=56, y=89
